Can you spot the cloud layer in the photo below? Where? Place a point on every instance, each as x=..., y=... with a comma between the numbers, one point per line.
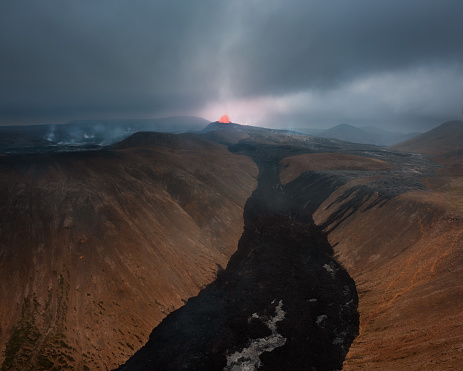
x=273, y=62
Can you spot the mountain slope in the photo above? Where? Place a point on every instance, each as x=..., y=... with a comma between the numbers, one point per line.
x=365, y=135
x=409, y=281
x=98, y=247
x=445, y=138
x=403, y=247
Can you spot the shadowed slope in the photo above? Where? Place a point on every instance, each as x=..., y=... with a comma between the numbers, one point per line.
x=97, y=247
x=445, y=138
x=366, y=135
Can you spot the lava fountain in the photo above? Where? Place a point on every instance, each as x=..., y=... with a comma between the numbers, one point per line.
x=225, y=120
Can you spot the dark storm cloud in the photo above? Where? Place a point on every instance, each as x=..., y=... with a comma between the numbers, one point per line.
x=299, y=43
x=103, y=55
x=71, y=58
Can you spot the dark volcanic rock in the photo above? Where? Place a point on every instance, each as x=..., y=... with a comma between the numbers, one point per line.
x=283, y=302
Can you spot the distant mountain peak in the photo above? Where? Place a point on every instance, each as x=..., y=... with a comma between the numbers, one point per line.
x=365, y=135
x=445, y=138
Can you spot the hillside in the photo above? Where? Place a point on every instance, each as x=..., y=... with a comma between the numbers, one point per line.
x=445, y=138
x=98, y=247
x=228, y=135
x=408, y=280
x=186, y=141
x=365, y=135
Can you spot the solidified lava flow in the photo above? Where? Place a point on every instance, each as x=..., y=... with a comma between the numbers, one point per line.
x=282, y=303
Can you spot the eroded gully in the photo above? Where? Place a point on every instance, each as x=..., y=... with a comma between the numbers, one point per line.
x=282, y=303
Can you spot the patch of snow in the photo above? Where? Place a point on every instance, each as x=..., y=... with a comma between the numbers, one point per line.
x=321, y=320
x=248, y=359
x=330, y=270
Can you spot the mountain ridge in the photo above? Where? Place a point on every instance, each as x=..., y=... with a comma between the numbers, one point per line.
x=445, y=138
x=365, y=135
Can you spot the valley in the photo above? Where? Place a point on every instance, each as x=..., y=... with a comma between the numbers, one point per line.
x=280, y=249
x=283, y=261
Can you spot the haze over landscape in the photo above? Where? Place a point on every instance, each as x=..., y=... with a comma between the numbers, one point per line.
x=239, y=185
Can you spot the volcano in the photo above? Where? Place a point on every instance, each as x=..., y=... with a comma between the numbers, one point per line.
x=225, y=120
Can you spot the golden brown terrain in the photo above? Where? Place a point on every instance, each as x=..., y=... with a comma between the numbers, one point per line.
x=406, y=257
x=97, y=248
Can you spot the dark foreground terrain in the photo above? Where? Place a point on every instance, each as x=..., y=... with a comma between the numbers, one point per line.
x=283, y=302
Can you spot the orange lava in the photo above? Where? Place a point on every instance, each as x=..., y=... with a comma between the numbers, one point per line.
x=225, y=119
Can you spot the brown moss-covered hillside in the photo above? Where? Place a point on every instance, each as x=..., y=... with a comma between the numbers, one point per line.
x=97, y=247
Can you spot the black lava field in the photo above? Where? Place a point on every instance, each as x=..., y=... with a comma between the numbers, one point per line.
x=283, y=302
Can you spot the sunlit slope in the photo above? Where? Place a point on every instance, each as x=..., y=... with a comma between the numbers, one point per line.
x=403, y=248
x=97, y=247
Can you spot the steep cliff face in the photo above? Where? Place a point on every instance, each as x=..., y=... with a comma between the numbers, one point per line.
x=404, y=249
x=97, y=247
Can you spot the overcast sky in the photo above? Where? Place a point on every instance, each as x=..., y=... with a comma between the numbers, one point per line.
x=281, y=63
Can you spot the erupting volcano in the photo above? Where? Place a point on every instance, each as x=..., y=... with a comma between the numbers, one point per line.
x=225, y=120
